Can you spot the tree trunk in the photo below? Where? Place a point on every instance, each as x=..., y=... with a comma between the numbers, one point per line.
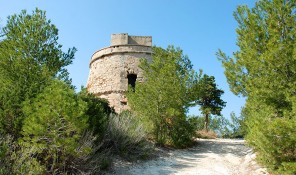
x=206, y=122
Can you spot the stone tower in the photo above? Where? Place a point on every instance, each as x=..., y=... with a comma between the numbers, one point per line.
x=114, y=68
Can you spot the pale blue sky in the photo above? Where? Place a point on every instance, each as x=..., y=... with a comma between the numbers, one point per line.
x=199, y=27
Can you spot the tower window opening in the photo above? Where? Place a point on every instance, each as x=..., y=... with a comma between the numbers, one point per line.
x=132, y=80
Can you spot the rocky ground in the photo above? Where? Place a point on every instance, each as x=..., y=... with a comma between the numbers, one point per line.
x=208, y=157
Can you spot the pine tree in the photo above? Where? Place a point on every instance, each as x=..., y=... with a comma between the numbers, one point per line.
x=264, y=71
x=209, y=98
x=30, y=57
x=163, y=99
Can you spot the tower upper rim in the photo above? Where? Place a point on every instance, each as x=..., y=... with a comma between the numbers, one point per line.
x=119, y=49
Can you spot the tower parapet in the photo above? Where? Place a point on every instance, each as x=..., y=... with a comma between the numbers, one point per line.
x=125, y=39
x=114, y=68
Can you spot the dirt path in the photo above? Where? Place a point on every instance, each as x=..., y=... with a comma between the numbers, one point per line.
x=209, y=157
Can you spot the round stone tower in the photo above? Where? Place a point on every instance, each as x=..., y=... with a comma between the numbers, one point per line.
x=114, y=68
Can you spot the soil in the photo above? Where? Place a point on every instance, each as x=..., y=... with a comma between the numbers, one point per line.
x=208, y=157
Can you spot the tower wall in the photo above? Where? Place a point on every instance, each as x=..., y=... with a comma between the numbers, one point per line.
x=110, y=67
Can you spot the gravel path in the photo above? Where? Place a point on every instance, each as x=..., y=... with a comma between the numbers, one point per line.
x=209, y=157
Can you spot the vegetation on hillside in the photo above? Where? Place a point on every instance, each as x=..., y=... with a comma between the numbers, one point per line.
x=263, y=70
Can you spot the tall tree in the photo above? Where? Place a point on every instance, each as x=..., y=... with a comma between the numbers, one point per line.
x=29, y=57
x=264, y=70
x=209, y=98
x=163, y=99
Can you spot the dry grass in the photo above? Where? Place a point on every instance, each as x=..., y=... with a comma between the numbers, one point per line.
x=206, y=135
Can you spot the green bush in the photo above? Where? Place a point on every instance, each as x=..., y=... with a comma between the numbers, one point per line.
x=274, y=138
x=98, y=111
x=53, y=126
x=181, y=133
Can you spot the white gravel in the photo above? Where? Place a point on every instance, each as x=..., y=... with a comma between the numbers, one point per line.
x=208, y=157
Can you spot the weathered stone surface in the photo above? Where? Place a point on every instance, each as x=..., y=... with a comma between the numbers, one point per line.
x=110, y=67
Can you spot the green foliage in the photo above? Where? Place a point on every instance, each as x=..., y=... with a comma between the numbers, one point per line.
x=209, y=98
x=126, y=136
x=25, y=163
x=98, y=112
x=273, y=137
x=181, y=132
x=54, y=123
x=6, y=149
x=263, y=69
x=43, y=121
x=196, y=121
x=163, y=99
x=29, y=57
x=237, y=125
x=221, y=126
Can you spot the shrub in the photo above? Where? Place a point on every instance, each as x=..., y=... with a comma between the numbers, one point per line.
x=206, y=135
x=27, y=161
x=7, y=147
x=98, y=112
x=181, y=133
x=53, y=126
x=126, y=136
x=273, y=138
x=197, y=122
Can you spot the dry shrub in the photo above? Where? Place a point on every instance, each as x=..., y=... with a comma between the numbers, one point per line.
x=7, y=147
x=206, y=135
x=27, y=159
x=126, y=137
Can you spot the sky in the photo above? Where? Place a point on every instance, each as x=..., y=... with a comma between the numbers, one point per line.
x=198, y=27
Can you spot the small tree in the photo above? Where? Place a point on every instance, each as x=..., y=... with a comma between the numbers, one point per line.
x=209, y=98
x=54, y=123
x=163, y=99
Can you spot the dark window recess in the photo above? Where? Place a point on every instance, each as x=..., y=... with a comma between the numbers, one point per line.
x=132, y=80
